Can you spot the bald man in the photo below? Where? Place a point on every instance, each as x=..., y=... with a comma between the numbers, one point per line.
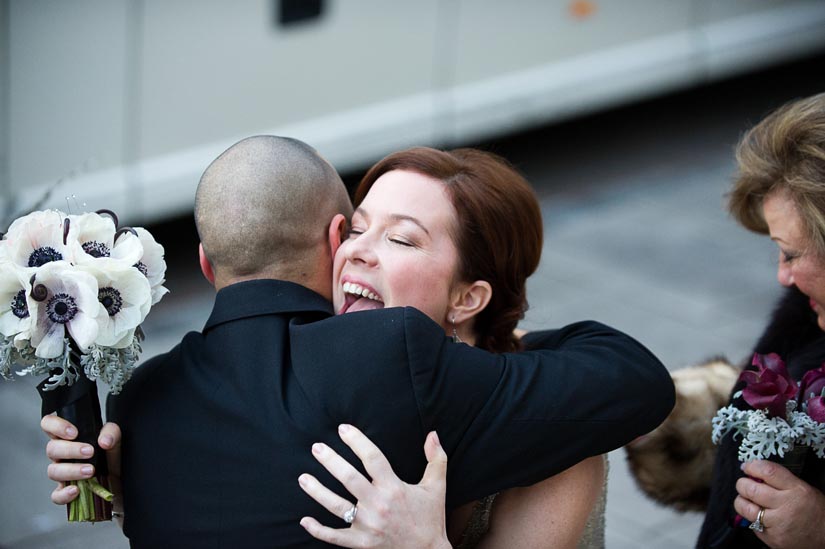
x=265, y=209
x=216, y=432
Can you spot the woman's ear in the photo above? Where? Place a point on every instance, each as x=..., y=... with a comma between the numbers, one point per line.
x=206, y=267
x=470, y=299
x=337, y=230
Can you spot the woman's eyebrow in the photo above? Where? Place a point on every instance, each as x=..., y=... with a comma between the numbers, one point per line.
x=779, y=240
x=411, y=219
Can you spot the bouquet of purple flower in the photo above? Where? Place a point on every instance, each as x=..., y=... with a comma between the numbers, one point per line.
x=785, y=414
x=74, y=290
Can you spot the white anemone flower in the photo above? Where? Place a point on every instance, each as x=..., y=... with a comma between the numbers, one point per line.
x=152, y=264
x=14, y=295
x=63, y=302
x=125, y=299
x=94, y=236
x=38, y=238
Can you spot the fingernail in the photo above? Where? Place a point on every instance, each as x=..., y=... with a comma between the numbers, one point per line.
x=304, y=522
x=72, y=490
x=318, y=448
x=344, y=428
x=86, y=470
x=71, y=431
x=87, y=451
x=435, y=438
x=302, y=480
x=106, y=440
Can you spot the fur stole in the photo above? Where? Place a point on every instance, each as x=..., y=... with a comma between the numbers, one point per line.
x=673, y=464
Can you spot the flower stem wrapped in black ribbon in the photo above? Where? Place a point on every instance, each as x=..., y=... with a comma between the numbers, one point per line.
x=78, y=403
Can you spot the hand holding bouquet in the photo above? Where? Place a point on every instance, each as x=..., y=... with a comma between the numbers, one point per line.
x=74, y=290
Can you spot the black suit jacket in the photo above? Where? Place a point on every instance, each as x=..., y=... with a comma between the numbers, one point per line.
x=217, y=431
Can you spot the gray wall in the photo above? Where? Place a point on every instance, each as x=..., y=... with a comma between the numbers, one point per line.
x=4, y=111
x=126, y=101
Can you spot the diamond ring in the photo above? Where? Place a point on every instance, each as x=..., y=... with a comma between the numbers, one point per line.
x=756, y=526
x=349, y=515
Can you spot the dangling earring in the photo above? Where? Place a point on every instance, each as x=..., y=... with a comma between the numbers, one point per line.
x=456, y=339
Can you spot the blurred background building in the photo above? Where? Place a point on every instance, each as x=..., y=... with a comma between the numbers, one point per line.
x=622, y=114
x=130, y=99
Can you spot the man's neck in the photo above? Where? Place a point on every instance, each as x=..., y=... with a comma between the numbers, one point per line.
x=324, y=289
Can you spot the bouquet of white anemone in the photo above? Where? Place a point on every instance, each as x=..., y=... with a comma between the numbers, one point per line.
x=787, y=416
x=74, y=290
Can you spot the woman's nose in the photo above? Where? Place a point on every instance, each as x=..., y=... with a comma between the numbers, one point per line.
x=361, y=249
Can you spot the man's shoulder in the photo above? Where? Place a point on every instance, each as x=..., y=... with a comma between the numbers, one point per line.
x=148, y=373
x=156, y=364
x=397, y=338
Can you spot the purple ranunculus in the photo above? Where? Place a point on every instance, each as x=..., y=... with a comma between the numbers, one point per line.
x=812, y=383
x=770, y=386
x=816, y=408
x=811, y=392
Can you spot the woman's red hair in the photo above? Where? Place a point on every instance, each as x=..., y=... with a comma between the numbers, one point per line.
x=498, y=232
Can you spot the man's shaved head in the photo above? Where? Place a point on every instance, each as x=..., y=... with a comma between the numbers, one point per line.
x=264, y=205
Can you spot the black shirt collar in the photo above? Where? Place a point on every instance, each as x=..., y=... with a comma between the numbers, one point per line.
x=263, y=297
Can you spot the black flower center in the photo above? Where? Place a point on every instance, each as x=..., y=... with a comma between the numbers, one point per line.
x=61, y=308
x=141, y=266
x=43, y=255
x=96, y=249
x=18, y=305
x=111, y=300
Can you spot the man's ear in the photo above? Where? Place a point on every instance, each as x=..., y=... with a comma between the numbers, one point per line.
x=337, y=230
x=469, y=300
x=206, y=267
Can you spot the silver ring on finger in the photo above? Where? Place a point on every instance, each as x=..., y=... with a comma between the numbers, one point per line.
x=758, y=525
x=349, y=514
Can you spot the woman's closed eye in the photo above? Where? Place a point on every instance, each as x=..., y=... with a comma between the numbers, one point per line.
x=401, y=241
x=788, y=257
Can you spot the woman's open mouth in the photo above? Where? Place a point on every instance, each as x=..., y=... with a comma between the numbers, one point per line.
x=358, y=297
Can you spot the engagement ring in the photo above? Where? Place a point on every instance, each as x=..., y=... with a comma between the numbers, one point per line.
x=349, y=516
x=756, y=526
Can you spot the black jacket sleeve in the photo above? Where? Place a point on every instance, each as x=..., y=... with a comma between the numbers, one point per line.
x=515, y=419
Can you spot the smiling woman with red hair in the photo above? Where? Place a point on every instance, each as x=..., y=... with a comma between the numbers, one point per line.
x=456, y=234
